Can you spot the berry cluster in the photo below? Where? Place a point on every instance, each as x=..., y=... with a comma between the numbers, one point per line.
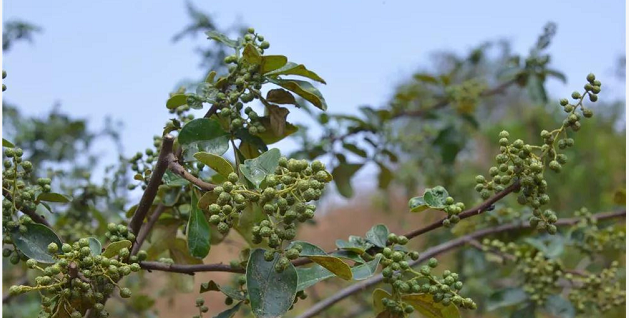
x=80, y=278
x=119, y=232
x=598, y=291
x=396, y=270
x=526, y=163
x=466, y=95
x=231, y=200
x=453, y=209
x=143, y=166
x=589, y=238
x=200, y=303
x=241, y=86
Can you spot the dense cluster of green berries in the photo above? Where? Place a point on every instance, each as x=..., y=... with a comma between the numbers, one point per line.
x=119, y=232
x=241, y=86
x=284, y=198
x=527, y=163
x=80, y=278
x=453, y=209
x=465, y=96
x=598, y=292
x=589, y=238
x=396, y=271
x=231, y=199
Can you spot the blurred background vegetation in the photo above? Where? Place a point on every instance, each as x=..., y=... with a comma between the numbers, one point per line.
x=447, y=146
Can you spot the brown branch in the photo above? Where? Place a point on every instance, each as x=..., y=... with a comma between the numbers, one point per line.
x=444, y=102
x=151, y=190
x=146, y=229
x=436, y=250
x=190, y=269
x=177, y=168
x=467, y=213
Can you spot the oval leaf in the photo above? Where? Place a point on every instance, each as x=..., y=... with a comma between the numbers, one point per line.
x=203, y=135
x=255, y=170
x=95, y=246
x=296, y=69
x=319, y=256
x=342, y=177
x=280, y=96
x=176, y=101
x=303, y=89
x=378, y=235
x=217, y=163
x=271, y=293
x=115, y=247
x=34, y=242
x=426, y=306
x=198, y=231
x=54, y=197
x=272, y=62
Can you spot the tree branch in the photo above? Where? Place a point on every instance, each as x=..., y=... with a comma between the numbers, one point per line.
x=175, y=167
x=151, y=190
x=467, y=213
x=146, y=229
x=33, y=215
x=444, y=102
x=436, y=250
x=190, y=269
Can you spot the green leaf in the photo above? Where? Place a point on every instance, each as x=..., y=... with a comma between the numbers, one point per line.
x=54, y=197
x=536, y=90
x=309, y=276
x=426, y=78
x=277, y=117
x=176, y=101
x=272, y=63
x=34, y=242
x=384, y=177
x=228, y=291
x=551, y=246
x=348, y=255
x=433, y=198
x=280, y=96
x=303, y=89
x=295, y=69
x=376, y=298
x=558, y=75
x=251, y=55
x=355, y=150
x=255, y=170
x=505, y=298
x=229, y=313
x=366, y=270
x=203, y=135
x=178, y=250
x=174, y=180
x=351, y=246
x=342, y=177
x=95, y=246
x=210, y=77
x=7, y=144
x=425, y=305
x=269, y=136
x=417, y=204
x=319, y=256
x=217, y=163
x=559, y=307
x=378, y=235
x=219, y=37
x=198, y=231
x=271, y=293
x=113, y=248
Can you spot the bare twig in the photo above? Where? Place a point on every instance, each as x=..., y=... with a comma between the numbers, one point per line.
x=151, y=190
x=190, y=269
x=436, y=250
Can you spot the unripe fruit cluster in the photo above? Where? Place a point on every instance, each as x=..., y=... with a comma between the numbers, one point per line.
x=598, y=292
x=118, y=232
x=466, y=95
x=589, y=238
x=80, y=276
x=453, y=209
x=396, y=271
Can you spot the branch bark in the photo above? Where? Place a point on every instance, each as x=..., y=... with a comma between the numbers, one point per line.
x=146, y=229
x=151, y=190
x=436, y=250
x=177, y=168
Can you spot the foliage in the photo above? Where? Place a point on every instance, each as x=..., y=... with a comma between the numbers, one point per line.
x=194, y=195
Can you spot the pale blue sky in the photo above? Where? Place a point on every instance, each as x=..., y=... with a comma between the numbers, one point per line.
x=116, y=58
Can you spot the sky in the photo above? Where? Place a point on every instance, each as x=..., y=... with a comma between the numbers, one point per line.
x=116, y=58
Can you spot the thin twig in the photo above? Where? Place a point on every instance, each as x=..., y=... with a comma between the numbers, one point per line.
x=436, y=250
x=32, y=214
x=178, y=169
x=190, y=269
